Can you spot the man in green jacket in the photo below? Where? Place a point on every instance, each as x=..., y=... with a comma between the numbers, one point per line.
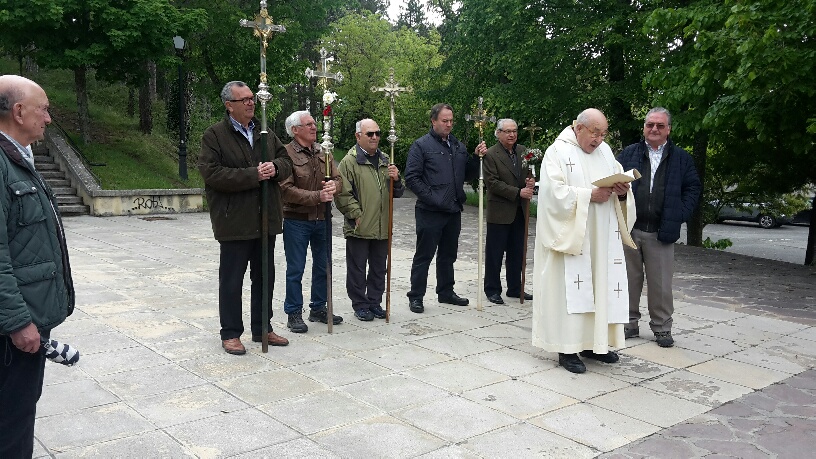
x=230, y=163
x=36, y=291
x=364, y=203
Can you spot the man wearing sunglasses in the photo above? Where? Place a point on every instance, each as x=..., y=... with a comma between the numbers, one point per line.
x=437, y=168
x=364, y=202
x=230, y=163
x=665, y=197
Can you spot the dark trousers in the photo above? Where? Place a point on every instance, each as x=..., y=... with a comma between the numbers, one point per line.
x=503, y=239
x=298, y=235
x=234, y=258
x=21, y=380
x=436, y=231
x=364, y=290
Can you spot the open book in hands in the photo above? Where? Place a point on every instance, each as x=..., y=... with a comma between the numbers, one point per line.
x=629, y=176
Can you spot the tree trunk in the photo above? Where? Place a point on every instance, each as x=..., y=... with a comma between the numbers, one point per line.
x=210, y=68
x=81, y=86
x=131, y=102
x=810, y=252
x=145, y=108
x=694, y=228
x=151, y=70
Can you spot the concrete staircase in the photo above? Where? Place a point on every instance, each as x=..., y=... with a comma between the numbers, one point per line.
x=67, y=200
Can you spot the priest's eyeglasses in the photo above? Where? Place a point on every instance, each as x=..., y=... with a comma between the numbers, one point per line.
x=509, y=131
x=246, y=100
x=659, y=126
x=371, y=134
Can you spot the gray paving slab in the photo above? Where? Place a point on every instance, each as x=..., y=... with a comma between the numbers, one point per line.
x=153, y=380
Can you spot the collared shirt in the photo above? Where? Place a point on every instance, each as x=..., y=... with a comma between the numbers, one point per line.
x=26, y=152
x=655, y=156
x=246, y=132
x=512, y=154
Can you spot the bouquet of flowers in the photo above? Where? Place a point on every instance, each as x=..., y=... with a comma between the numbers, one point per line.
x=329, y=98
x=531, y=159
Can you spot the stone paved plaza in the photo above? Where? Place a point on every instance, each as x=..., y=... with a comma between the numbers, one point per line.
x=153, y=380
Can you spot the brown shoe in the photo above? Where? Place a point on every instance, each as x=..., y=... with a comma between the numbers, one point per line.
x=273, y=338
x=233, y=346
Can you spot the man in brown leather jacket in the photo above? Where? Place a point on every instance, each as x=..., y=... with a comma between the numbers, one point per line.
x=306, y=194
x=230, y=163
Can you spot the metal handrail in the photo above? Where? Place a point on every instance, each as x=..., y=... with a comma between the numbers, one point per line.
x=88, y=165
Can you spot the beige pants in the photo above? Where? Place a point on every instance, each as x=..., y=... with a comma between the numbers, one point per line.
x=658, y=260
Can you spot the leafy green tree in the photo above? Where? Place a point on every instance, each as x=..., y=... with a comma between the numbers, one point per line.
x=412, y=16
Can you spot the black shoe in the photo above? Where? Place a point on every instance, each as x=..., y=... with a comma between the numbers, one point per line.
x=295, y=324
x=664, y=339
x=320, y=315
x=571, y=363
x=364, y=314
x=495, y=298
x=378, y=311
x=454, y=299
x=633, y=332
x=527, y=296
x=609, y=357
x=416, y=306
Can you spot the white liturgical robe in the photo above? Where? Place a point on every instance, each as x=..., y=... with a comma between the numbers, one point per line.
x=580, y=289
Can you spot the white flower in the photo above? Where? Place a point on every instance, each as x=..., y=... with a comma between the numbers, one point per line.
x=329, y=97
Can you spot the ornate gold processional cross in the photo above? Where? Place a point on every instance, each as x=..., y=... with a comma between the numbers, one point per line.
x=532, y=129
x=263, y=29
x=391, y=91
x=480, y=118
x=324, y=75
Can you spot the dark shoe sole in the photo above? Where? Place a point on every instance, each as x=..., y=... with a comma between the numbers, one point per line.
x=298, y=329
x=495, y=299
x=610, y=357
x=462, y=302
x=231, y=352
x=337, y=321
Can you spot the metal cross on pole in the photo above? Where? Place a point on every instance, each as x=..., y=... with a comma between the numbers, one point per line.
x=532, y=129
x=264, y=28
x=480, y=120
x=328, y=97
x=391, y=90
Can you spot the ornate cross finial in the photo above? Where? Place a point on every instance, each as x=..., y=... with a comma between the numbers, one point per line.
x=391, y=90
x=532, y=129
x=263, y=28
x=323, y=74
x=480, y=118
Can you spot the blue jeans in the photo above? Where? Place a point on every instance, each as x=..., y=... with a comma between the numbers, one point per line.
x=297, y=236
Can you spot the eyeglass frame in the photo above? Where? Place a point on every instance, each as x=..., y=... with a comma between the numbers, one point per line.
x=659, y=126
x=371, y=134
x=246, y=100
x=594, y=135
x=508, y=131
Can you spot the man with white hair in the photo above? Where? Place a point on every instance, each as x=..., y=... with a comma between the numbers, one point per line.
x=36, y=290
x=306, y=194
x=508, y=188
x=579, y=282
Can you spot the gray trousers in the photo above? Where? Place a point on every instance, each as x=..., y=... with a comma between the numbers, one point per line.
x=658, y=260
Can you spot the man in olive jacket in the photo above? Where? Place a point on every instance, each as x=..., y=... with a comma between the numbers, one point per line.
x=508, y=188
x=364, y=203
x=230, y=163
x=36, y=290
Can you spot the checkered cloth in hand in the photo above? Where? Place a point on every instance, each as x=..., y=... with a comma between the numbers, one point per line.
x=59, y=353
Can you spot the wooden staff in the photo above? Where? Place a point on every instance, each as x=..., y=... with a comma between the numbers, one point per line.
x=391, y=90
x=263, y=28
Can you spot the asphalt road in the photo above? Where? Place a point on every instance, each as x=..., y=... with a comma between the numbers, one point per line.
x=786, y=243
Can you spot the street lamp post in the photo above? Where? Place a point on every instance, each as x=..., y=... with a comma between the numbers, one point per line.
x=179, y=44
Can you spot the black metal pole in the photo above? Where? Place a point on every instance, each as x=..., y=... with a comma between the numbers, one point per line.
x=182, y=125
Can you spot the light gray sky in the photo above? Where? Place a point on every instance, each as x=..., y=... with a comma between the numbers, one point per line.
x=394, y=10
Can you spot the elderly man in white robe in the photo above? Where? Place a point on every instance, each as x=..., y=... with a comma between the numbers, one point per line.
x=579, y=282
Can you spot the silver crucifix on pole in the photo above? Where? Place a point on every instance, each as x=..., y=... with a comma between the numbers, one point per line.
x=480, y=120
x=328, y=98
x=391, y=90
x=264, y=28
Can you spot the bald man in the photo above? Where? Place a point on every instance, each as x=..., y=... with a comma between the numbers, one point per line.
x=36, y=291
x=580, y=302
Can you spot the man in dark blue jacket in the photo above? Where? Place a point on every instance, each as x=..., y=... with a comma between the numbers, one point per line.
x=438, y=165
x=665, y=197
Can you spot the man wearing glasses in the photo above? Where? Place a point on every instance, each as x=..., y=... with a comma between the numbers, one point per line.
x=305, y=197
x=665, y=197
x=364, y=202
x=230, y=163
x=507, y=189
x=437, y=167
x=580, y=303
